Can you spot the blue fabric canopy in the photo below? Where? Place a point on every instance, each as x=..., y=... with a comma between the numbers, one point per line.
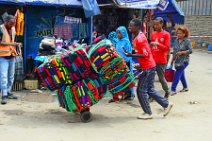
x=44, y=2
x=168, y=8
x=137, y=4
x=90, y=7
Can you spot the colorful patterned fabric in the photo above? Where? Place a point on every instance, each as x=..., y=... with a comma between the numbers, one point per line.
x=82, y=95
x=83, y=78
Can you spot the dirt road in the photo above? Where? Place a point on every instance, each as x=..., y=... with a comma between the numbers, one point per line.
x=37, y=117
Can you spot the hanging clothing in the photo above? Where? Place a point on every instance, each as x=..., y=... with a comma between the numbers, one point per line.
x=19, y=16
x=19, y=69
x=63, y=31
x=83, y=30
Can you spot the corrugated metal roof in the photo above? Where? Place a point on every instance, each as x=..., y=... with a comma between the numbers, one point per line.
x=196, y=7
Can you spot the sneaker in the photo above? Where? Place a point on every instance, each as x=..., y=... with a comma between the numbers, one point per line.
x=184, y=90
x=145, y=116
x=4, y=100
x=168, y=109
x=11, y=96
x=167, y=95
x=173, y=93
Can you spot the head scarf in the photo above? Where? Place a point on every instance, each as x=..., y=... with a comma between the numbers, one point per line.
x=124, y=42
x=113, y=38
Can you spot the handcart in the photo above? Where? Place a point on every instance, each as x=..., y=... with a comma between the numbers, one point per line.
x=83, y=76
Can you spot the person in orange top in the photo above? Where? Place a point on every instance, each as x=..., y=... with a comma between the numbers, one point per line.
x=160, y=45
x=7, y=59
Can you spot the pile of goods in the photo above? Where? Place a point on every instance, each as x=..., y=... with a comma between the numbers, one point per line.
x=83, y=76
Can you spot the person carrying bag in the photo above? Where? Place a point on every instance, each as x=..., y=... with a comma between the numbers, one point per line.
x=181, y=51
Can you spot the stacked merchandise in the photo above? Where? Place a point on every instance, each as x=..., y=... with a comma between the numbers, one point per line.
x=111, y=67
x=82, y=95
x=82, y=79
x=75, y=79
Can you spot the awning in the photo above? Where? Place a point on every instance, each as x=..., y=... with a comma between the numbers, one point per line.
x=44, y=2
x=135, y=4
x=170, y=8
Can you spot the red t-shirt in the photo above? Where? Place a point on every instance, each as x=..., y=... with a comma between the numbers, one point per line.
x=141, y=46
x=160, y=52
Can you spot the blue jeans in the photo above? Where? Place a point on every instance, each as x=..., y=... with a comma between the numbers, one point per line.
x=179, y=76
x=7, y=71
x=146, y=88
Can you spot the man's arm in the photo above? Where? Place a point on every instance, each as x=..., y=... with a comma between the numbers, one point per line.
x=134, y=55
x=131, y=55
x=10, y=44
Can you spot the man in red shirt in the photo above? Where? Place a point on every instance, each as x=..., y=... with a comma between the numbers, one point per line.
x=160, y=45
x=145, y=86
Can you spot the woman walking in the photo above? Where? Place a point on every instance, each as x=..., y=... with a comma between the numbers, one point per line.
x=181, y=51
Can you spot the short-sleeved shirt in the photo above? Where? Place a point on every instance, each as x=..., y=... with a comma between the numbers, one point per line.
x=160, y=52
x=141, y=46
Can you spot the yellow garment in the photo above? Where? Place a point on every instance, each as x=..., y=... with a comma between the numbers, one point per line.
x=19, y=23
x=7, y=50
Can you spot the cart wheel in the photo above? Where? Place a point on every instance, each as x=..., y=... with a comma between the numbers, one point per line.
x=85, y=116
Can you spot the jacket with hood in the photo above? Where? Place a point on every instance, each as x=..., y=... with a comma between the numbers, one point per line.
x=124, y=42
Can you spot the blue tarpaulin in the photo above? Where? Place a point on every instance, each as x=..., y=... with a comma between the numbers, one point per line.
x=90, y=7
x=167, y=8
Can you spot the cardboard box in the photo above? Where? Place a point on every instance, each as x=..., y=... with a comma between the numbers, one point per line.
x=30, y=84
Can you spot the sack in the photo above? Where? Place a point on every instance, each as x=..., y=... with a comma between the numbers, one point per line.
x=169, y=75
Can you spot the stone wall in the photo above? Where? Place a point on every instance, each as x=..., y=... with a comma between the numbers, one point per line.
x=200, y=26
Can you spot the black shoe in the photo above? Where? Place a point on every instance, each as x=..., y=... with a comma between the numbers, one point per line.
x=4, y=100
x=111, y=101
x=11, y=96
x=167, y=94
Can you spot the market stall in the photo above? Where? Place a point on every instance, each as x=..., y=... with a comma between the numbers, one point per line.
x=64, y=19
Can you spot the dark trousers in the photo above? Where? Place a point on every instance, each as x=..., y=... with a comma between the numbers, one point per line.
x=160, y=68
x=146, y=88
